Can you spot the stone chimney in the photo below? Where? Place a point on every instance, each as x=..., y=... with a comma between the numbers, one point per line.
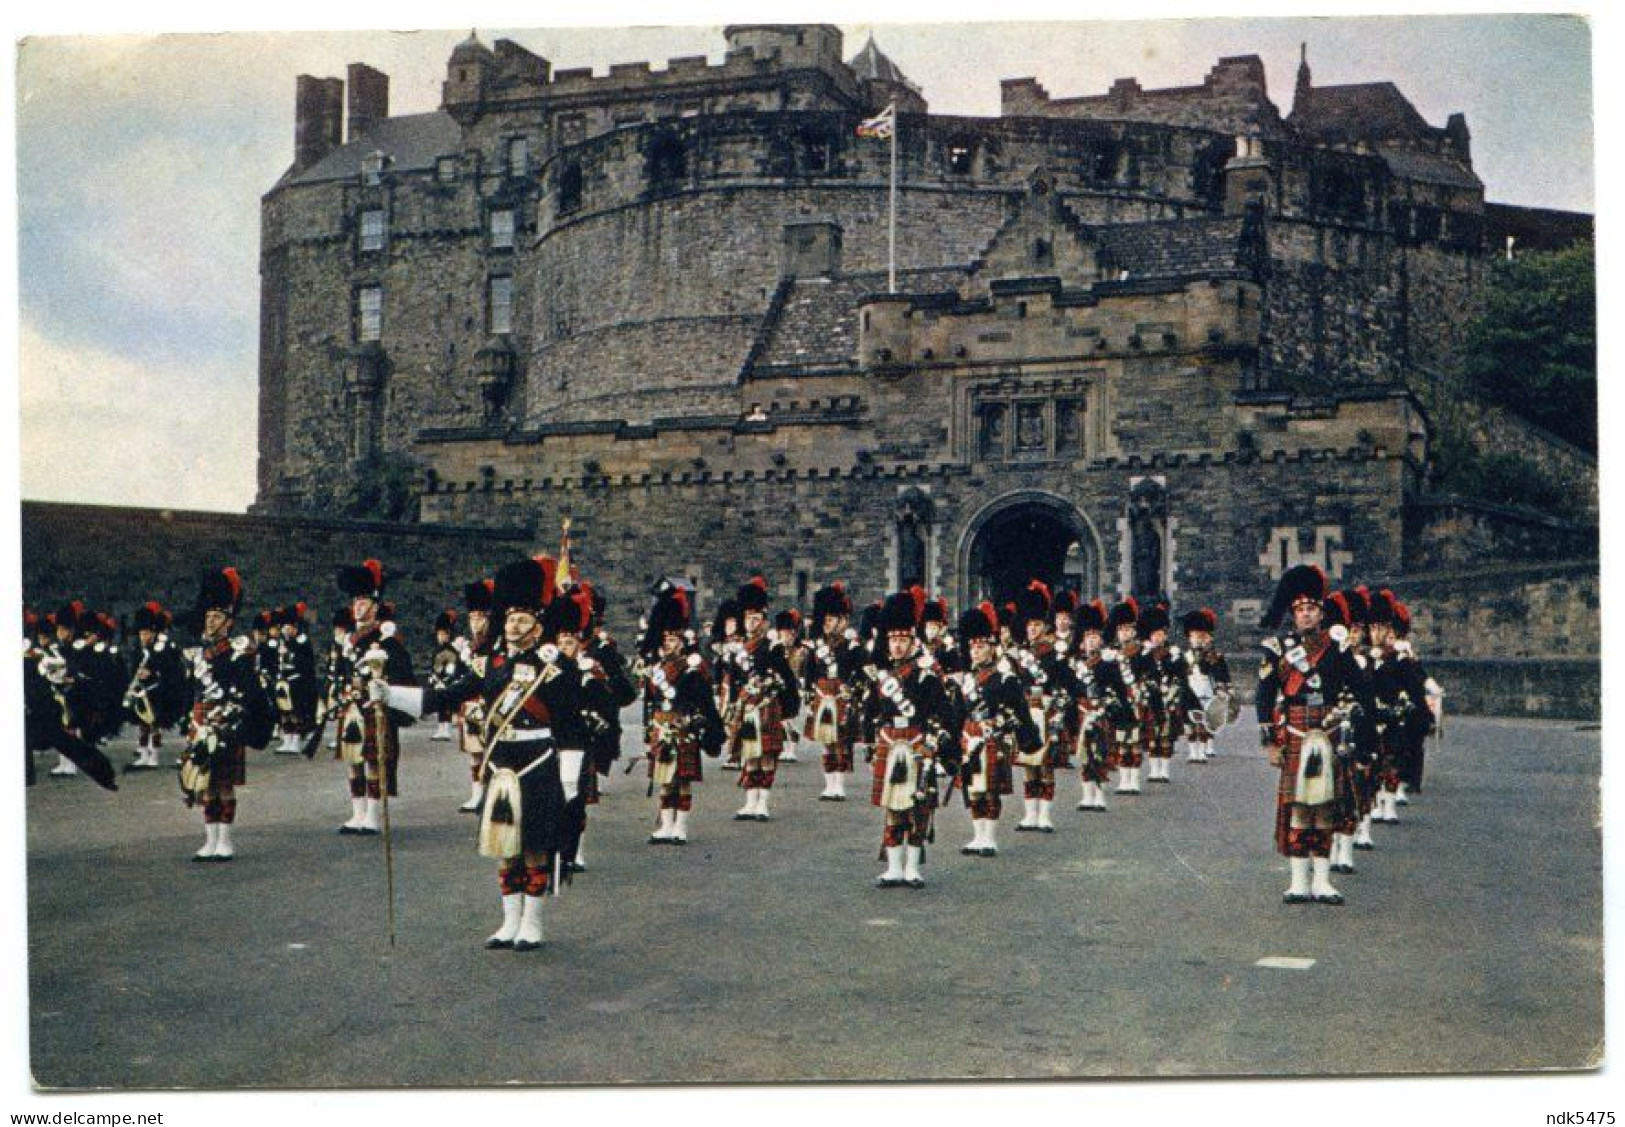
x=318, y=119
x=369, y=100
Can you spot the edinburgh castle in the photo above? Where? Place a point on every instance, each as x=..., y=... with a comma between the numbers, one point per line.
x=1151, y=340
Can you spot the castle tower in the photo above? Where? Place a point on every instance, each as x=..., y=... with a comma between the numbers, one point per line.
x=884, y=81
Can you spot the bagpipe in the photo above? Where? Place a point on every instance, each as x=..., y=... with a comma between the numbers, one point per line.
x=138, y=696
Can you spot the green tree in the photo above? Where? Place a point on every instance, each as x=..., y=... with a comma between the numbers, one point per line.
x=1533, y=349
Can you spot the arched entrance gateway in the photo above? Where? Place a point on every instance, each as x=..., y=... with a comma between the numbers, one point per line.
x=1025, y=536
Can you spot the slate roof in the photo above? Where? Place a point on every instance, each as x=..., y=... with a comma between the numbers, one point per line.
x=1431, y=168
x=873, y=64
x=1175, y=248
x=1353, y=112
x=412, y=142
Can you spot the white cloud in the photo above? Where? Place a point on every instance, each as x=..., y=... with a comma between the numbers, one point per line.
x=102, y=429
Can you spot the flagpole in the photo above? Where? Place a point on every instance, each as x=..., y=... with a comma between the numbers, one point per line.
x=891, y=221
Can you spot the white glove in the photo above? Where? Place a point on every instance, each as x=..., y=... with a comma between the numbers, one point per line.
x=693, y=661
x=548, y=653
x=378, y=691
x=1403, y=647
x=1339, y=633
x=586, y=664
x=1273, y=645
x=926, y=660
x=387, y=630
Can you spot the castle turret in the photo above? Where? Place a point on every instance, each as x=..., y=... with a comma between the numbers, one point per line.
x=1305, y=86
x=790, y=44
x=884, y=81
x=468, y=75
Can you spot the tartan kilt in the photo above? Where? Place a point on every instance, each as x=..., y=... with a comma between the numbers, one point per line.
x=877, y=767
x=1390, y=755
x=1158, y=728
x=770, y=734
x=1337, y=816
x=1000, y=755
x=687, y=750
x=1196, y=731
x=1063, y=741
x=832, y=688
x=230, y=760
x=1097, y=748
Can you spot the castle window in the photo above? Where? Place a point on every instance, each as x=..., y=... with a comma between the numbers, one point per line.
x=572, y=128
x=1043, y=252
x=369, y=307
x=960, y=157
x=990, y=433
x=1101, y=165
x=816, y=154
x=667, y=162
x=372, y=168
x=372, y=230
x=502, y=229
x=1427, y=223
x=518, y=156
x=1032, y=440
x=1069, y=428
x=499, y=305
x=445, y=170
x=569, y=187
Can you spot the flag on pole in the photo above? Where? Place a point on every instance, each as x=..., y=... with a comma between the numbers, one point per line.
x=882, y=125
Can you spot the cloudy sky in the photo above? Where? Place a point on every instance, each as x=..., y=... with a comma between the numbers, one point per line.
x=141, y=160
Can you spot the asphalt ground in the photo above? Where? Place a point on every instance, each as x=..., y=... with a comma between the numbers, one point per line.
x=1126, y=944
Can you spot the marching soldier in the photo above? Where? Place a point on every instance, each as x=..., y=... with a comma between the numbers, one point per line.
x=724, y=638
x=332, y=668
x=934, y=636
x=764, y=696
x=1399, y=697
x=683, y=720
x=443, y=668
x=262, y=632
x=474, y=652
x=532, y=813
x=53, y=697
x=296, y=688
x=1306, y=693
x=1358, y=748
x=997, y=726
x=154, y=697
x=581, y=731
x=909, y=724
x=1207, y=680
x=1050, y=688
x=1123, y=623
x=1160, y=669
x=833, y=669
x=1103, y=705
x=229, y=713
x=622, y=686
x=369, y=737
x=105, y=674
x=1421, y=722
x=1063, y=640
x=787, y=636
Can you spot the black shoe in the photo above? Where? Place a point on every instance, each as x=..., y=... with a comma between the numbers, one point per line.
x=1335, y=898
x=990, y=851
x=349, y=830
x=761, y=817
x=222, y=860
x=526, y=945
x=494, y=944
x=1365, y=845
x=653, y=840
x=366, y=831
x=578, y=866
x=1045, y=829
x=1020, y=829
x=677, y=841
x=970, y=850
x=1296, y=898
x=916, y=883
x=743, y=817
x=888, y=882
